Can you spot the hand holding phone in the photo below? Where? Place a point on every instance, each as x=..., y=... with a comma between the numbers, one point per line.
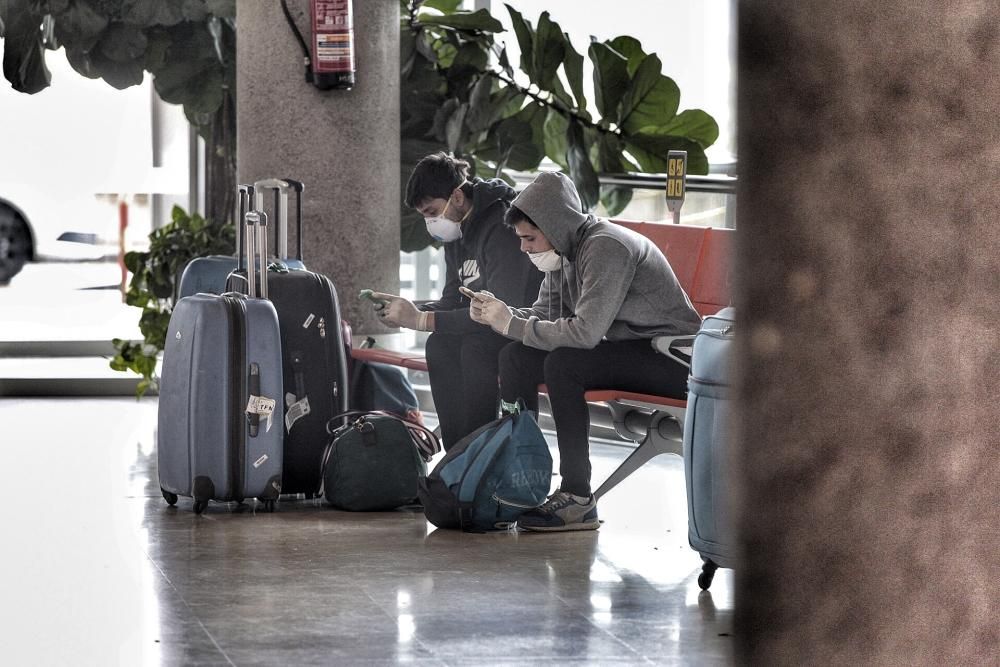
x=371, y=296
x=476, y=296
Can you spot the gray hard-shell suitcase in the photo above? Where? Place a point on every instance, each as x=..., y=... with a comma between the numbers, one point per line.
x=220, y=435
x=208, y=274
x=707, y=445
x=315, y=362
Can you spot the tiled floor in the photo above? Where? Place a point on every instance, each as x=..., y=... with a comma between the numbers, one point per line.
x=95, y=569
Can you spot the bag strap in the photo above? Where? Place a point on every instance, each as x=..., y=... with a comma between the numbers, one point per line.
x=424, y=439
x=307, y=59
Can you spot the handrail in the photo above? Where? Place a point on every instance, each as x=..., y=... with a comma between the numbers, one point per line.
x=712, y=183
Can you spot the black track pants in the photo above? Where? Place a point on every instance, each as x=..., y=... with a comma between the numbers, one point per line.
x=463, y=375
x=569, y=372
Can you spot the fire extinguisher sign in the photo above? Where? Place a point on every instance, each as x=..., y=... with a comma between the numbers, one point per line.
x=332, y=32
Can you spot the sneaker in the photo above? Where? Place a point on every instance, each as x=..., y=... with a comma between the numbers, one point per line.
x=562, y=511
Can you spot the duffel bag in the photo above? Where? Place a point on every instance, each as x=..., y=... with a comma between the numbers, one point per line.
x=374, y=461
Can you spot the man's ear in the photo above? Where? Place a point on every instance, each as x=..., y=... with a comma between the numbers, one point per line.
x=458, y=196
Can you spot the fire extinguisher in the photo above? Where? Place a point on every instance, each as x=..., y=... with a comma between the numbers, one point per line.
x=329, y=60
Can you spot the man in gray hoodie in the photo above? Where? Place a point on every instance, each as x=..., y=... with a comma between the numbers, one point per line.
x=606, y=292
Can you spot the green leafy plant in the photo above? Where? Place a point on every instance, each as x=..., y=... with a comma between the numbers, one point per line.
x=188, y=46
x=153, y=286
x=459, y=92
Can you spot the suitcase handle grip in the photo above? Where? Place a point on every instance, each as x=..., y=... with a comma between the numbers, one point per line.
x=281, y=186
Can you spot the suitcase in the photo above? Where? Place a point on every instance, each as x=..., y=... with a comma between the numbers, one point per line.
x=314, y=364
x=219, y=431
x=209, y=274
x=707, y=446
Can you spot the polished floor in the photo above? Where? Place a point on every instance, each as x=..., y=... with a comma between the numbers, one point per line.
x=95, y=569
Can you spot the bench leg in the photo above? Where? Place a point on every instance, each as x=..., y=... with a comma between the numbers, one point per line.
x=661, y=438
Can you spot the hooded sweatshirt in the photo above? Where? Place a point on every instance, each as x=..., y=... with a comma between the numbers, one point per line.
x=487, y=257
x=614, y=283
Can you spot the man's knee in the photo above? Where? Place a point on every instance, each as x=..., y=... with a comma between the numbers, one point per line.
x=511, y=360
x=565, y=366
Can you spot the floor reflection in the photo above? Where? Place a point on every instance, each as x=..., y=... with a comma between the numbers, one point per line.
x=127, y=580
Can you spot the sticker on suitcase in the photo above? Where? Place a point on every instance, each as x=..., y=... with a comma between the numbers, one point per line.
x=295, y=410
x=261, y=405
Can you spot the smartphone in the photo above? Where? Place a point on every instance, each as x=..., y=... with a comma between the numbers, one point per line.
x=478, y=296
x=370, y=295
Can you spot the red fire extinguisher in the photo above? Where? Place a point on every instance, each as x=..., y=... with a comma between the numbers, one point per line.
x=329, y=59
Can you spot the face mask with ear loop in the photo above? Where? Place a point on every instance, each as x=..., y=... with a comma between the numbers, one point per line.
x=445, y=230
x=546, y=261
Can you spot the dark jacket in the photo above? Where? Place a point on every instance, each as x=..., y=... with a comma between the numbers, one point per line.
x=487, y=257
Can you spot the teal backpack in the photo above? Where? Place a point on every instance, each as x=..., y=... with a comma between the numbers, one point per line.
x=489, y=477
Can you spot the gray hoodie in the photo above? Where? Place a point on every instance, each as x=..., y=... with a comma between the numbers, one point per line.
x=614, y=284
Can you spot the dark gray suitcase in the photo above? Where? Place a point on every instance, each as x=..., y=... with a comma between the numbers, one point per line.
x=314, y=362
x=707, y=445
x=220, y=435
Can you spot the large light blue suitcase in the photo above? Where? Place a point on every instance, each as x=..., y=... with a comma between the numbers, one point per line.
x=220, y=430
x=708, y=445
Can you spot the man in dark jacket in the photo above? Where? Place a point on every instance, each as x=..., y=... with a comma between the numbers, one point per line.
x=481, y=253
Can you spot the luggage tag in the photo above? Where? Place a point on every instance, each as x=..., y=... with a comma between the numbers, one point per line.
x=261, y=405
x=295, y=410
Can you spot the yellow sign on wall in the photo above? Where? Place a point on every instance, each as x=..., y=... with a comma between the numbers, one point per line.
x=676, y=172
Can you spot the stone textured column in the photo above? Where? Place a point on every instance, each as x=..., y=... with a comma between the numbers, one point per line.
x=870, y=306
x=344, y=145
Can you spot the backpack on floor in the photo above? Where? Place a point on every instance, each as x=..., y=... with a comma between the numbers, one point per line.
x=489, y=477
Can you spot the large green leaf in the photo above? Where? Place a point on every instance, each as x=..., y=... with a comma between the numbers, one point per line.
x=453, y=127
x=548, y=54
x=123, y=43
x=23, y=52
x=610, y=78
x=651, y=100
x=515, y=144
x=444, y=6
x=573, y=66
x=580, y=169
x=525, y=39
x=650, y=150
x=155, y=12
x=479, y=20
x=631, y=49
x=556, y=144
x=480, y=110
x=79, y=27
x=615, y=198
x=694, y=124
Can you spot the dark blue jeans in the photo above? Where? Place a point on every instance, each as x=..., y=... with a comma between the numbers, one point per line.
x=568, y=373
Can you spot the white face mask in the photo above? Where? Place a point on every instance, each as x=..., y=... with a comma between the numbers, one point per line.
x=546, y=261
x=443, y=229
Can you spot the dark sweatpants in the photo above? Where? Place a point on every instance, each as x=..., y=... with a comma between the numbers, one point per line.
x=463, y=374
x=631, y=365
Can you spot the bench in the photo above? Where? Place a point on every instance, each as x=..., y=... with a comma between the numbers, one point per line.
x=701, y=259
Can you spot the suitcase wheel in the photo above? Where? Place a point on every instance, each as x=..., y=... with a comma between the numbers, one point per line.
x=199, y=506
x=707, y=574
x=171, y=498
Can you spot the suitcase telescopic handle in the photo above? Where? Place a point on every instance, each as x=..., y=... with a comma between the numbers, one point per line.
x=244, y=202
x=256, y=242
x=281, y=188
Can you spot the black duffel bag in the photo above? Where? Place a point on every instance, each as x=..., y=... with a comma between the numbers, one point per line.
x=374, y=461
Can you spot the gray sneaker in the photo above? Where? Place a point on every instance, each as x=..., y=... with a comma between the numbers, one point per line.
x=562, y=511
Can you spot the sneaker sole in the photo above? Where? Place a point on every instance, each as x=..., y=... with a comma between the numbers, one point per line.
x=590, y=525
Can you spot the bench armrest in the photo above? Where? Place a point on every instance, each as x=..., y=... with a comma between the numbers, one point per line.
x=677, y=348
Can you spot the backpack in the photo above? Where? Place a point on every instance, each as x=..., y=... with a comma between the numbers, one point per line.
x=377, y=386
x=489, y=477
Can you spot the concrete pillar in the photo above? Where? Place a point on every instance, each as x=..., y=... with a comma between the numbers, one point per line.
x=344, y=145
x=870, y=306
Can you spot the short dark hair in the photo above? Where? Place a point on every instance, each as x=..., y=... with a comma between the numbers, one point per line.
x=435, y=177
x=515, y=215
